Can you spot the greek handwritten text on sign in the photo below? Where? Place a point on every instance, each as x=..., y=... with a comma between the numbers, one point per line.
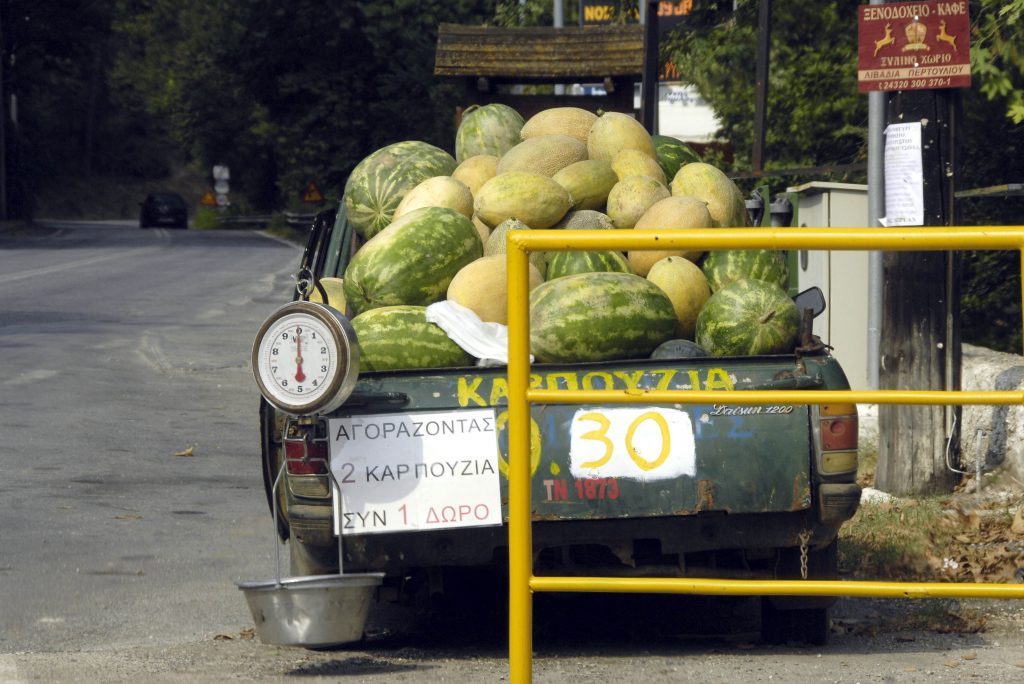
x=413, y=471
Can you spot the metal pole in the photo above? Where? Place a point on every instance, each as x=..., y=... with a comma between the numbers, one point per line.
x=3, y=125
x=876, y=210
x=520, y=533
x=764, y=38
x=649, y=85
x=558, y=20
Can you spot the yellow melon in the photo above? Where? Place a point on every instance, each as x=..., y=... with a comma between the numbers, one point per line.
x=335, y=297
x=482, y=287
x=684, y=283
x=614, y=131
x=496, y=243
x=630, y=198
x=476, y=171
x=631, y=162
x=588, y=182
x=439, y=191
x=481, y=228
x=709, y=184
x=544, y=154
x=571, y=121
x=585, y=219
x=536, y=200
x=671, y=213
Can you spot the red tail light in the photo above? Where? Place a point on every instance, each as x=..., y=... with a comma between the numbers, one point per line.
x=838, y=428
x=839, y=433
x=306, y=456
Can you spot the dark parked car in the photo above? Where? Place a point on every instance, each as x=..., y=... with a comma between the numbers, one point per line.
x=163, y=209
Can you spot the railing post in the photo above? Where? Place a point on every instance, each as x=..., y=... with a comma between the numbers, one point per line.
x=520, y=536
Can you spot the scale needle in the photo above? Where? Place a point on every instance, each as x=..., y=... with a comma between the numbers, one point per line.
x=299, y=375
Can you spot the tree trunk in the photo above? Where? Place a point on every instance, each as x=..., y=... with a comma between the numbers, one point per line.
x=920, y=336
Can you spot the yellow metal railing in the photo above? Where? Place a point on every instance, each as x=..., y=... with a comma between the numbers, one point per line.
x=522, y=582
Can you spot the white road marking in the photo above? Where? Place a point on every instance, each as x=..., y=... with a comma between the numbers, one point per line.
x=68, y=265
x=269, y=236
x=31, y=376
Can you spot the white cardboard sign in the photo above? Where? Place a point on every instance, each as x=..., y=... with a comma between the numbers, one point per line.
x=643, y=444
x=414, y=471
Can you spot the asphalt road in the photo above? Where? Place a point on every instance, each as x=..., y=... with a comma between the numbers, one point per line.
x=123, y=349
x=131, y=503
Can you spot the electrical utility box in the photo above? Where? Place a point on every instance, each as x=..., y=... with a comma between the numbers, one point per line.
x=841, y=275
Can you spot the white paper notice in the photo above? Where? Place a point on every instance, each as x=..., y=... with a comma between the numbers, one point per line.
x=414, y=471
x=904, y=178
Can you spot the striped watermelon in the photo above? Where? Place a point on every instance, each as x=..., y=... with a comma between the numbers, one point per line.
x=562, y=264
x=722, y=267
x=412, y=261
x=748, y=318
x=672, y=153
x=379, y=182
x=491, y=129
x=397, y=337
x=598, y=317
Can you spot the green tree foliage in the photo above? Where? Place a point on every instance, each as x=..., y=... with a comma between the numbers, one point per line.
x=285, y=93
x=815, y=114
x=997, y=53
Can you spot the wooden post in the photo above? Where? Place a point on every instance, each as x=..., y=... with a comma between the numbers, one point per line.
x=920, y=336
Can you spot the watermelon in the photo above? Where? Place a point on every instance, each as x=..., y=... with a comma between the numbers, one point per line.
x=561, y=264
x=412, y=261
x=672, y=153
x=748, y=318
x=722, y=267
x=598, y=317
x=397, y=337
x=491, y=129
x=379, y=182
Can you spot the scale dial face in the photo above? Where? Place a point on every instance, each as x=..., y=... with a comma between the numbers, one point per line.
x=302, y=358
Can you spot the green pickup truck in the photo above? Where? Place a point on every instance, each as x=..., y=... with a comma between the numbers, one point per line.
x=714, y=490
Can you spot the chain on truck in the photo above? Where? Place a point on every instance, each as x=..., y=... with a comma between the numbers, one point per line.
x=417, y=486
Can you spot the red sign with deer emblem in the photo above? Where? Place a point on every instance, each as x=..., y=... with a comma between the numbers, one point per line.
x=913, y=46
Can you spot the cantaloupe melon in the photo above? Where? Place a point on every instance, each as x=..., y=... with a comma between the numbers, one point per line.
x=481, y=228
x=571, y=121
x=439, y=191
x=711, y=185
x=671, y=213
x=630, y=198
x=536, y=200
x=630, y=162
x=544, y=154
x=496, y=243
x=332, y=287
x=687, y=287
x=588, y=182
x=482, y=287
x=476, y=171
x=614, y=131
x=585, y=219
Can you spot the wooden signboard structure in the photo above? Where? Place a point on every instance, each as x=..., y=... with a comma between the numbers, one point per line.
x=491, y=62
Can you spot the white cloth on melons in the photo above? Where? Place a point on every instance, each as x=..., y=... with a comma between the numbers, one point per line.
x=488, y=342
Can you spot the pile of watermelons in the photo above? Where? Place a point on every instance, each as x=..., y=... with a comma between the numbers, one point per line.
x=433, y=226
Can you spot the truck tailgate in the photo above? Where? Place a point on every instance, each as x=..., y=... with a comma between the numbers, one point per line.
x=591, y=462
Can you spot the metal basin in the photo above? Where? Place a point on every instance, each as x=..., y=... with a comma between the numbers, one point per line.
x=315, y=611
